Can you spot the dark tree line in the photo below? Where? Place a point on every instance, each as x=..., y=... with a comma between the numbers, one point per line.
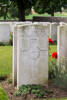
x=49, y=6
x=19, y=7
x=23, y=5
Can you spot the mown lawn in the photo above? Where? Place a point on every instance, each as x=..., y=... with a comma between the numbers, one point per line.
x=3, y=95
x=5, y=60
x=30, y=16
x=58, y=14
x=6, y=66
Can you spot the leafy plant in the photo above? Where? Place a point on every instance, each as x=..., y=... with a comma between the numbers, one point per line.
x=37, y=90
x=61, y=77
x=4, y=43
x=9, y=80
x=53, y=69
x=17, y=93
x=48, y=91
x=40, y=94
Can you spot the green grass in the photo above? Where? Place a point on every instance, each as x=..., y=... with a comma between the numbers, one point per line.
x=58, y=14
x=30, y=16
x=3, y=95
x=5, y=60
x=6, y=66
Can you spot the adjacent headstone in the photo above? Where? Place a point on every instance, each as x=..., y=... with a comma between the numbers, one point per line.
x=62, y=47
x=4, y=32
x=53, y=31
x=13, y=24
x=32, y=53
x=14, y=30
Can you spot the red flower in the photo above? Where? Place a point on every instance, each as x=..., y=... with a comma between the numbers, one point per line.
x=54, y=55
x=51, y=41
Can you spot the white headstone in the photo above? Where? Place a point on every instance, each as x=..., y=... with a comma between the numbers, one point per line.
x=4, y=32
x=62, y=44
x=53, y=31
x=14, y=30
x=32, y=53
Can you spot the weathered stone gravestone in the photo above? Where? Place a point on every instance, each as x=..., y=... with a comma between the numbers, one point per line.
x=53, y=31
x=62, y=46
x=14, y=30
x=31, y=47
x=13, y=24
x=4, y=32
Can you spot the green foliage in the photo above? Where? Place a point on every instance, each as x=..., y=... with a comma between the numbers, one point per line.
x=11, y=39
x=9, y=80
x=13, y=10
x=4, y=43
x=49, y=6
x=57, y=72
x=40, y=94
x=17, y=93
x=3, y=95
x=37, y=90
x=27, y=12
x=4, y=6
x=26, y=3
x=22, y=6
x=40, y=6
x=18, y=10
x=53, y=68
x=48, y=91
x=61, y=77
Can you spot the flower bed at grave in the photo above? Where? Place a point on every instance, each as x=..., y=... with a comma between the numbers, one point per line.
x=53, y=54
x=52, y=59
